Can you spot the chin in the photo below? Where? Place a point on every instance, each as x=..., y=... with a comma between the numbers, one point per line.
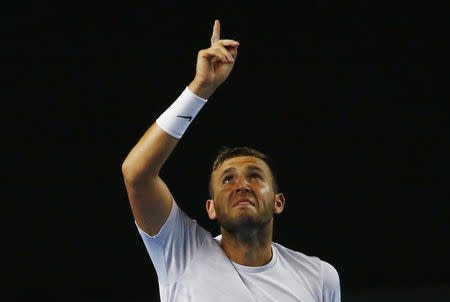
x=242, y=220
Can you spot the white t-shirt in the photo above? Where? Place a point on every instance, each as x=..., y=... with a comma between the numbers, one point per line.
x=191, y=266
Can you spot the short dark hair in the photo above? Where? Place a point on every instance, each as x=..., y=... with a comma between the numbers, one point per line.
x=228, y=152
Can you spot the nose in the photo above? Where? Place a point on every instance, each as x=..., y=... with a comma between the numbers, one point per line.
x=242, y=185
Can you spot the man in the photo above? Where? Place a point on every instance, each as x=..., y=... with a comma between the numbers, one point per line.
x=242, y=264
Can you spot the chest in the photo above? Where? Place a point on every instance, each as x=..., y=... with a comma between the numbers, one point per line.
x=280, y=284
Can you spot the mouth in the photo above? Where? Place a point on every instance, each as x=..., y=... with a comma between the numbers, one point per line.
x=243, y=202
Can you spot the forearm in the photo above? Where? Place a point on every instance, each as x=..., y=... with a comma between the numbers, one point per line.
x=213, y=67
x=149, y=154
x=153, y=149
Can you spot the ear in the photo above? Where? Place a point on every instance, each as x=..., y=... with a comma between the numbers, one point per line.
x=211, y=209
x=279, y=201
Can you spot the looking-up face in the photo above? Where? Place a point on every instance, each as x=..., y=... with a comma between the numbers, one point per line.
x=244, y=196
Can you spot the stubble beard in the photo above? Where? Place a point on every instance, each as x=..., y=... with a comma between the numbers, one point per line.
x=244, y=223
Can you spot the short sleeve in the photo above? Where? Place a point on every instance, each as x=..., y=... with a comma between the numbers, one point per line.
x=331, y=291
x=175, y=246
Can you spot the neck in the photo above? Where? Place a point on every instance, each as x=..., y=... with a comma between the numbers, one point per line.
x=248, y=247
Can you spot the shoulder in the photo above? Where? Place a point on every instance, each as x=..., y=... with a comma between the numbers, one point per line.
x=178, y=226
x=312, y=264
x=298, y=262
x=331, y=289
x=296, y=255
x=330, y=278
x=321, y=276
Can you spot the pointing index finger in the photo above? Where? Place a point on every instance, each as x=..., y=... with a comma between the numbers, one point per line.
x=216, y=32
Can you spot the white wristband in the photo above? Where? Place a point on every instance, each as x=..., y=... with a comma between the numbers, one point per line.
x=177, y=118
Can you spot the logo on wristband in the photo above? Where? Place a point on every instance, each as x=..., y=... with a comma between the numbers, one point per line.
x=189, y=117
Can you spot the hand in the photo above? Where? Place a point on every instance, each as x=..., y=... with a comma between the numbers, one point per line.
x=214, y=64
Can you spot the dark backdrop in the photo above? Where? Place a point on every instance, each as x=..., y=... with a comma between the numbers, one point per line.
x=347, y=98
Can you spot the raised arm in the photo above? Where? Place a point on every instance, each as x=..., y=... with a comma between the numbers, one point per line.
x=149, y=196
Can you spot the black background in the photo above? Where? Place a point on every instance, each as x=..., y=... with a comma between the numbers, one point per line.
x=347, y=98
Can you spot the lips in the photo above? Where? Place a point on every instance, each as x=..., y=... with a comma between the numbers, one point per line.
x=244, y=202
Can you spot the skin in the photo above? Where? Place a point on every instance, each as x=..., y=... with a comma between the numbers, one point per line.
x=246, y=228
x=149, y=196
x=214, y=64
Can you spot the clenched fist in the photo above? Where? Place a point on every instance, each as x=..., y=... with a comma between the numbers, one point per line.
x=214, y=64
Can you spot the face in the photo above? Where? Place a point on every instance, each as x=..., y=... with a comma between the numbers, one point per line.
x=243, y=194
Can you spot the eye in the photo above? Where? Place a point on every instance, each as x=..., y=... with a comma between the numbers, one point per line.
x=226, y=179
x=256, y=175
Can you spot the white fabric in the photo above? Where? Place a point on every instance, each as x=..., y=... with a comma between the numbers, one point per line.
x=177, y=118
x=191, y=266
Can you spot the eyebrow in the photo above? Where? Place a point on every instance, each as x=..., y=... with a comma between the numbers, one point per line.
x=248, y=168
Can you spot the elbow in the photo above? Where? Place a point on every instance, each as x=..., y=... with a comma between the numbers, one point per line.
x=130, y=176
x=126, y=171
x=135, y=173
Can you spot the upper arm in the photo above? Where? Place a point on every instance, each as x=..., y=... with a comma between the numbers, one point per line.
x=150, y=199
x=331, y=291
x=151, y=202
